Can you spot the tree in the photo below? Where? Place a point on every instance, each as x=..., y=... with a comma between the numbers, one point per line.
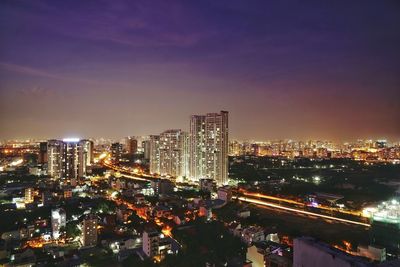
x=72, y=229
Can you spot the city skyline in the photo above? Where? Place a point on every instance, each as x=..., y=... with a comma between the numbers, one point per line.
x=234, y=133
x=282, y=70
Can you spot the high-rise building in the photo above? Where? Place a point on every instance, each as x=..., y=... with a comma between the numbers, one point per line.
x=58, y=221
x=209, y=142
x=71, y=164
x=89, y=230
x=116, y=152
x=154, y=144
x=197, y=147
x=174, y=153
x=131, y=145
x=55, y=158
x=146, y=149
x=169, y=153
x=68, y=159
x=42, y=153
x=85, y=156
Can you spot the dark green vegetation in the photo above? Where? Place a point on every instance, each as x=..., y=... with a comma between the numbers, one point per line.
x=206, y=242
x=12, y=219
x=357, y=181
x=201, y=242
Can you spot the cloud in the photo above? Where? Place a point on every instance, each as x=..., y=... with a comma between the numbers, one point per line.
x=36, y=91
x=42, y=73
x=27, y=70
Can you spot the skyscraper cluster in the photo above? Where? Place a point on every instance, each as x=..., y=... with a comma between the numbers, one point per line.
x=69, y=158
x=203, y=153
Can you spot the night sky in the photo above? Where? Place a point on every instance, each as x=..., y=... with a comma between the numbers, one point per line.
x=283, y=69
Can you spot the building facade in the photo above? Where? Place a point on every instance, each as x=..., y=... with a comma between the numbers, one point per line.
x=131, y=145
x=69, y=158
x=116, y=152
x=151, y=241
x=169, y=153
x=209, y=143
x=154, y=156
x=58, y=221
x=54, y=158
x=89, y=231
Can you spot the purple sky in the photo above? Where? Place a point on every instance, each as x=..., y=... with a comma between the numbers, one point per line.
x=283, y=69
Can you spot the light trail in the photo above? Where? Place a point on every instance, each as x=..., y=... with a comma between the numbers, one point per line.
x=273, y=198
x=122, y=172
x=260, y=202
x=134, y=177
x=355, y=213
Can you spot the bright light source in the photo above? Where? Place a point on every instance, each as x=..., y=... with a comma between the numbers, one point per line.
x=71, y=140
x=17, y=162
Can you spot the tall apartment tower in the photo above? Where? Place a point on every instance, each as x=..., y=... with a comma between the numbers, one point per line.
x=42, y=153
x=197, y=147
x=116, y=152
x=131, y=145
x=71, y=163
x=68, y=159
x=209, y=142
x=85, y=156
x=55, y=158
x=146, y=149
x=169, y=153
x=154, y=149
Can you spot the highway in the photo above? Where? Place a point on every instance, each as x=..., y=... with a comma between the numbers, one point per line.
x=258, y=195
x=125, y=174
x=277, y=206
x=146, y=177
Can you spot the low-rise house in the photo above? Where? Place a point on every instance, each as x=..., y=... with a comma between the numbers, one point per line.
x=267, y=253
x=243, y=213
x=374, y=253
x=253, y=234
x=139, y=198
x=162, y=212
x=225, y=193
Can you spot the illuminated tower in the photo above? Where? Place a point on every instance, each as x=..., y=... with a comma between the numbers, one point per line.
x=209, y=142
x=85, y=156
x=154, y=150
x=71, y=163
x=173, y=153
x=54, y=158
x=69, y=158
x=197, y=147
x=116, y=152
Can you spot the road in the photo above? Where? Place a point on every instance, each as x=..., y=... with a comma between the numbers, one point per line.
x=298, y=211
x=289, y=201
x=146, y=177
